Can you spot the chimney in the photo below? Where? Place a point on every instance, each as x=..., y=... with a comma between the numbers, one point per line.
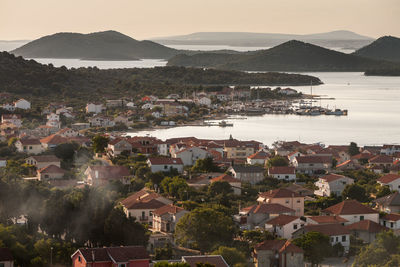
x=93, y=258
x=96, y=174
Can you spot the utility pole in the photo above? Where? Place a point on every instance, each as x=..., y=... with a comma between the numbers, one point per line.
x=51, y=256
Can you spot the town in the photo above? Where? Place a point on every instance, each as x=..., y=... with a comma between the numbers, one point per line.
x=142, y=201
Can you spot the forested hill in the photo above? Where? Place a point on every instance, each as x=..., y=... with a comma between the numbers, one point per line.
x=23, y=77
x=384, y=48
x=108, y=45
x=289, y=56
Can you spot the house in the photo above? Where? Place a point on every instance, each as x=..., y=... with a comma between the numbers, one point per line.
x=117, y=146
x=352, y=211
x=140, y=205
x=383, y=161
x=278, y=252
x=287, y=91
x=312, y=164
x=284, y=197
x=128, y=256
x=80, y=126
x=203, y=179
x=6, y=258
x=390, y=180
x=234, y=183
x=390, y=149
x=3, y=162
x=114, y=103
x=391, y=221
x=148, y=145
x=323, y=219
x=301, y=190
x=53, y=120
x=282, y=173
x=101, y=121
x=94, y=108
x=389, y=203
x=348, y=165
x=284, y=225
x=214, y=260
x=190, y=155
x=50, y=172
x=165, y=164
x=204, y=101
x=29, y=145
x=52, y=141
x=99, y=175
x=256, y=215
x=235, y=149
x=291, y=156
x=260, y=157
x=332, y=184
x=43, y=161
x=22, y=104
x=366, y=230
x=337, y=233
x=67, y=132
x=122, y=119
x=166, y=218
x=14, y=119
x=8, y=107
x=247, y=173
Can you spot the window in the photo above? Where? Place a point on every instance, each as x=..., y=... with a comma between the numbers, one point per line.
x=337, y=239
x=391, y=225
x=332, y=239
x=361, y=218
x=294, y=226
x=343, y=238
x=79, y=259
x=287, y=176
x=30, y=147
x=121, y=265
x=287, y=201
x=165, y=167
x=298, y=201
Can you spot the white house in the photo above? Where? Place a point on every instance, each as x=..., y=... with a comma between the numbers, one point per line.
x=247, y=173
x=352, y=211
x=101, y=121
x=311, y=164
x=166, y=218
x=165, y=164
x=284, y=225
x=190, y=155
x=282, y=173
x=204, y=101
x=390, y=180
x=332, y=184
x=22, y=104
x=53, y=120
x=29, y=145
x=8, y=106
x=234, y=183
x=391, y=221
x=94, y=108
x=43, y=161
x=12, y=119
x=260, y=157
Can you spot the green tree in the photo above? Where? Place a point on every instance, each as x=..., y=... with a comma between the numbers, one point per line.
x=231, y=255
x=383, y=191
x=219, y=188
x=176, y=187
x=164, y=253
x=353, y=149
x=99, y=143
x=355, y=191
x=205, y=165
x=204, y=228
x=66, y=151
x=174, y=264
x=277, y=161
x=316, y=246
x=257, y=236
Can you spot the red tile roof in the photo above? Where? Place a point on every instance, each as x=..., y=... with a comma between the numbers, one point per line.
x=388, y=178
x=349, y=207
x=282, y=220
x=215, y=260
x=29, y=141
x=259, y=155
x=332, y=177
x=392, y=217
x=278, y=245
x=367, y=225
x=143, y=199
x=117, y=254
x=51, y=169
x=225, y=178
x=381, y=159
x=54, y=139
x=5, y=255
x=268, y=208
x=282, y=170
x=326, y=229
x=279, y=193
x=171, y=209
x=327, y=219
x=108, y=172
x=167, y=161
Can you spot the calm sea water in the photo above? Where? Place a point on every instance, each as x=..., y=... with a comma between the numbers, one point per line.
x=374, y=115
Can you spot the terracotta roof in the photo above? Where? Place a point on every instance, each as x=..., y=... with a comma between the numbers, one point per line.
x=363, y=155
x=114, y=254
x=314, y=159
x=5, y=255
x=29, y=141
x=278, y=245
x=46, y=158
x=54, y=139
x=168, y=161
x=268, y=208
x=216, y=260
x=381, y=159
x=348, y=207
x=143, y=199
x=279, y=193
x=51, y=169
x=282, y=220
x=225, y=178
x=247, y=168
x=326, y=229
x=108, y=172
x=389, y=200
x=388, y=178
x=168, y=209
x=327, y=219
x=332, y=177
x=367, y=225
x=10, y=116
x=282, y=170
x=259, y=155
x=392, y=217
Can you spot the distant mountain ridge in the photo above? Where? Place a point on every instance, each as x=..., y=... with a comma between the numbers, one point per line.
x=289, y=56
x=107, y=45
x=384, y=48
x=329, y=39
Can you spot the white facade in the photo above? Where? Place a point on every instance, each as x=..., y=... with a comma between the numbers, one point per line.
x=393, y=185
x=326, y=188
x=352, y=218
x=344, y=240
x=164, y=167
x=204, y=101
x=94, y=108
x=189, y=156
x=22, y=104
x=285, y=231
x=162, y=149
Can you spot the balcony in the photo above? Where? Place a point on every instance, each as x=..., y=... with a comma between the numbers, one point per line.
x=143, y=218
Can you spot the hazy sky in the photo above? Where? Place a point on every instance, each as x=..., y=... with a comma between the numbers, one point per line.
x=29, y=19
